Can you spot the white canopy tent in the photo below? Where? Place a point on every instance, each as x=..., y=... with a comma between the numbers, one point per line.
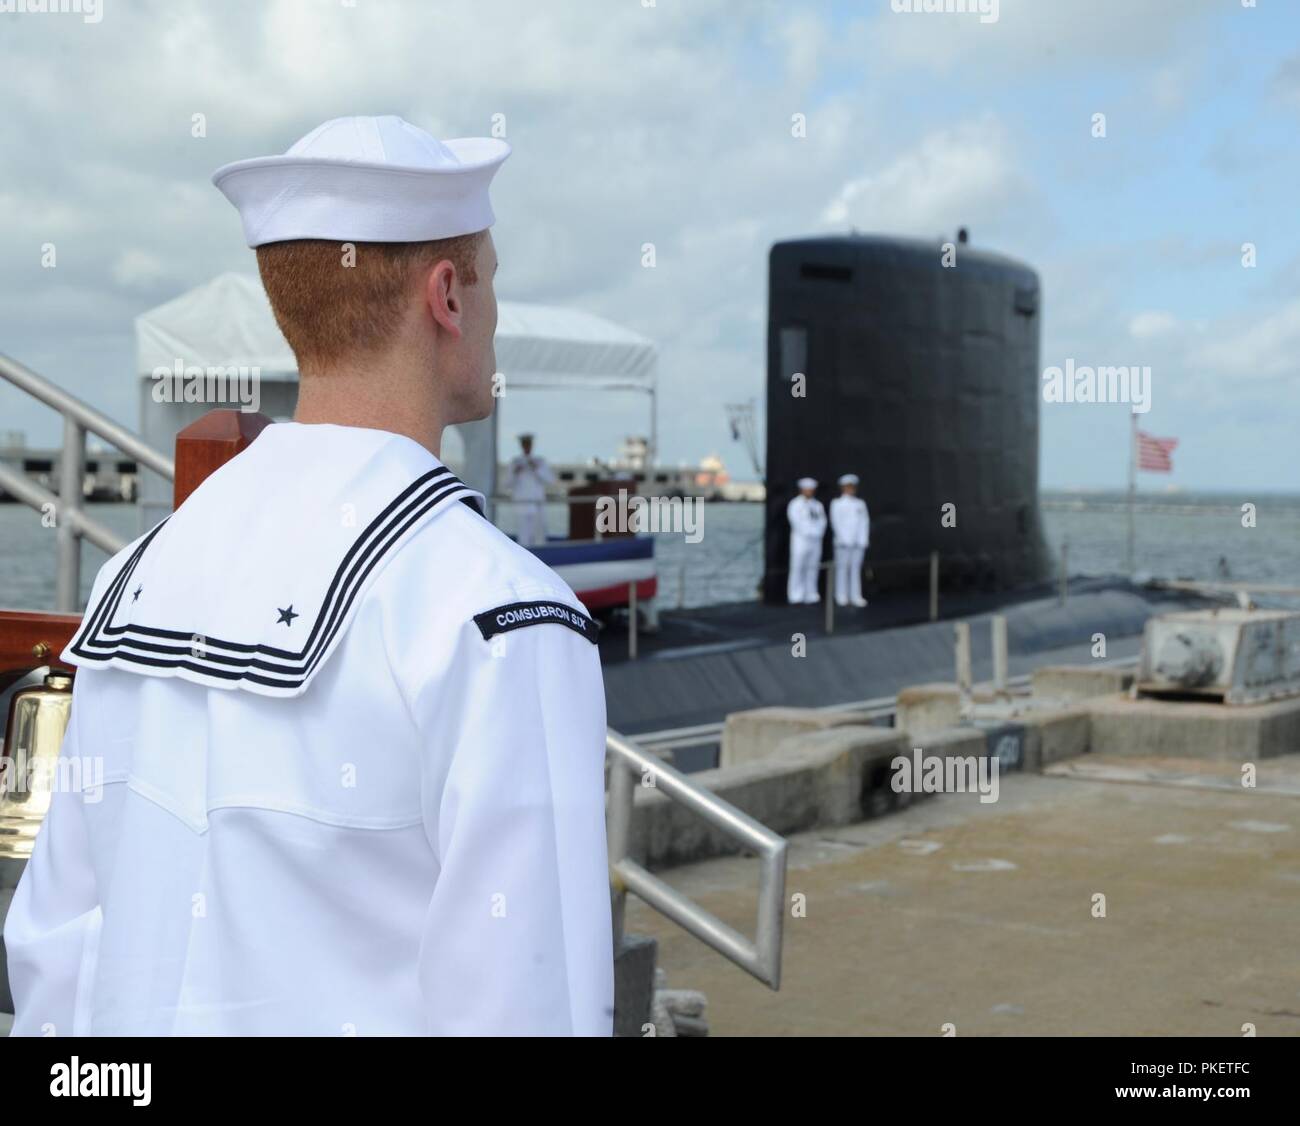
x=227, y=323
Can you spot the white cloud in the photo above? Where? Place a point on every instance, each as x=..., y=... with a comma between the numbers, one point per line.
x=630, y=125
x=1259, y=348
x=804, y=38
x=668, y=125
x=963, y=175
x=1153, y=323
x=1286, y=80
x=134, y=268
x=1034, y=35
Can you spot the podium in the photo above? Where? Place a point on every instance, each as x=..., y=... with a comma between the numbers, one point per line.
x=582, y=515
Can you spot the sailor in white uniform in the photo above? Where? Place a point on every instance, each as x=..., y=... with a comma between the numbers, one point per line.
x=851, y=532
x=529, y=477
x=352, y=735
x=807, y=529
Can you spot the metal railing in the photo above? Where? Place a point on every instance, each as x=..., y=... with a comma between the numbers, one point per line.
x=71, y=523
x=629, y=765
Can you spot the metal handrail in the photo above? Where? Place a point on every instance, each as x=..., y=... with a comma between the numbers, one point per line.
x=70, y=521
x=761, y=956
x=35, y=496
x=86, y=416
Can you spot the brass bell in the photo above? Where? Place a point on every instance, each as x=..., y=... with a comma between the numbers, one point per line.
x=38, y=719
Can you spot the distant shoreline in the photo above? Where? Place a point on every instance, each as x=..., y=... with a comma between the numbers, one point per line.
x=1185, y=502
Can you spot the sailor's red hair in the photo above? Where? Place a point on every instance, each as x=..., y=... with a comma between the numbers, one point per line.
x=334, y=303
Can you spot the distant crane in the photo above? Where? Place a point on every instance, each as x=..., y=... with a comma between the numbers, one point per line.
x=740, y=416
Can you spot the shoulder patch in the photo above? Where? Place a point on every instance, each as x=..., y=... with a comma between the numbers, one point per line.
x=516, y=615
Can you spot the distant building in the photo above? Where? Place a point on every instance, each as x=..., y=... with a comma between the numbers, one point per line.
x=108, y=477
x=709, y=479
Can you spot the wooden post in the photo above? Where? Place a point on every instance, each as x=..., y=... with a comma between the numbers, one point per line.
x=206, y=445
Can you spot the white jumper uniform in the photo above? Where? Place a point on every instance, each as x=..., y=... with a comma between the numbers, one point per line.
x=807, y=528
x=529, y=477
x=851, y=531
x=352, y=742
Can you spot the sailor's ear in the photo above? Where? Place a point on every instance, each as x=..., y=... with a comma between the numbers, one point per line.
x=442, y=295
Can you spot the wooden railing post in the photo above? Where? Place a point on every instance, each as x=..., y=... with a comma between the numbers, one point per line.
x=208, y=443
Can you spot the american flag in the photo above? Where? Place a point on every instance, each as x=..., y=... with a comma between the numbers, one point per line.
x=1153, y=453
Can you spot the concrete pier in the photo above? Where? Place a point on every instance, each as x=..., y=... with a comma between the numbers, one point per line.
x=1137, y=872
x=982, y=916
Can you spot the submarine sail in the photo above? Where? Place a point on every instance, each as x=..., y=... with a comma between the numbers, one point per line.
x=923, y=379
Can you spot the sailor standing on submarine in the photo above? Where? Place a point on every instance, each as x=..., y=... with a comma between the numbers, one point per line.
x=352, y=735
x=851, y=533
x=807, y=530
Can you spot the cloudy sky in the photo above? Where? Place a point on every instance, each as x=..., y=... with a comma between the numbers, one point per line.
x=670, y=123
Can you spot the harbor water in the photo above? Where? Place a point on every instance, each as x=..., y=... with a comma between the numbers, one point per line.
x=1198, y=536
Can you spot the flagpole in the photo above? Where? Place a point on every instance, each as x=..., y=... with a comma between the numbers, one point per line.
x=1132, y=484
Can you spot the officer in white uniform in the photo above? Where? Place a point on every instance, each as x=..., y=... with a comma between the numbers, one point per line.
x=351, y=735
x=529, y=477
x=851, y=531
x=807, y=529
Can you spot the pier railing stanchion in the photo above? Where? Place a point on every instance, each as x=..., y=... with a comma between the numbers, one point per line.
x=618, y=831
x=1132, y=491
x=830, y=596
x=1065, y=569
x=934, y=586
x=961, y=635
x=72, y=468
x=631, y=620
x=999, y=625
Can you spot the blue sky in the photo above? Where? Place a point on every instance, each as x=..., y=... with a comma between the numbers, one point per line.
x=671, y=125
